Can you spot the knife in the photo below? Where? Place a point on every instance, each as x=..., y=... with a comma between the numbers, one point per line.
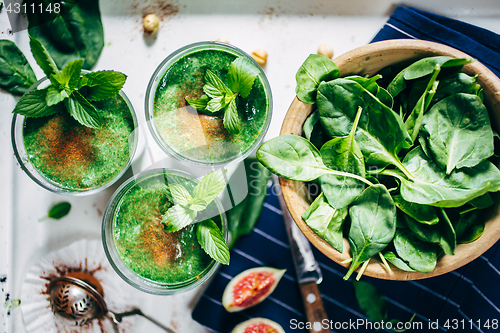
x=308, y=272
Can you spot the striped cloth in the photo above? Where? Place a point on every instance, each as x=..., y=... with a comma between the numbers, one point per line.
x=465, y=300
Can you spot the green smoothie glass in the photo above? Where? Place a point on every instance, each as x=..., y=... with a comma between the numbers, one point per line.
x=194, y=137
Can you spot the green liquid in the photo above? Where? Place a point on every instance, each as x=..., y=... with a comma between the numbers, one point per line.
x=145, y=246
x=74, y=156
x=197, y=136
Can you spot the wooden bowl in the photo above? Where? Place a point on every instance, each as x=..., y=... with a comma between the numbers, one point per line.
x=370, y=59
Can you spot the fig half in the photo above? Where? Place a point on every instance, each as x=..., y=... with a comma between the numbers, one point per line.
x=258, y=325
x=250, y=287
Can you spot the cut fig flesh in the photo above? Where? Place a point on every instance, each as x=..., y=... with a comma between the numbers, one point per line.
x=250, y=288
x=258, y=325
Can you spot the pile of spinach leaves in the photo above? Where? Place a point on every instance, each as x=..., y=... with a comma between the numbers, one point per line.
x=404, y=167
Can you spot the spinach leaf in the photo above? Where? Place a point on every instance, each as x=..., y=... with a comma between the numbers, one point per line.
x=458, y=132
x=326, y=221
x=422, y=213
x=314, y=131
x=397, y=261
x=419, y=255
x=343, y=154
x=470, y=226
x=58, y=211
x=243, y=217
x=381, y=133
x=414, y=120
x=314, y=70
x=373, y=224
x=74, y=33
x=370, y=301
x=424, y=67
x=293, y=157
x=460, y=83
x=441, y=233
x=373, y=88
x=482, y=202
x=16, y=74
x=431, y=186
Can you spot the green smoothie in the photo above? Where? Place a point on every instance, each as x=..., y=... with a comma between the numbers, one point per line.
x=142, y=242
x=77, y=157
x=197, y=136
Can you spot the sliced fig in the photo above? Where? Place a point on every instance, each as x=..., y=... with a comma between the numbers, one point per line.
x=250, y=287
x=258, y=325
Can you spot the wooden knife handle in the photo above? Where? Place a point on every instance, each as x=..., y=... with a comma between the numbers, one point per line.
x=315, y=311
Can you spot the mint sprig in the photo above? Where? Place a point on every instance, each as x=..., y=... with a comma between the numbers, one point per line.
x=220, y=98
x=69, y=89
x=186, y=208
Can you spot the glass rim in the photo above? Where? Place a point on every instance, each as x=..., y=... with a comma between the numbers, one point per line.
x=159, y=73
x=50, y=185
x=122, y=269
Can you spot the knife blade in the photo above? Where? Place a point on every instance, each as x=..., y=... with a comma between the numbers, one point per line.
x=307, y=270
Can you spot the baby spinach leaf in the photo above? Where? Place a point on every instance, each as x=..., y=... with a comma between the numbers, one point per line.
x=381, y=133
x=34, y=104
x=74, y=33
x=370, y=301
x=431, y=186
x=326, y=221
x=58, y=211
x=293, y=157
x=414, y=120
x=343, y=154
x=212, y=241
x=482, y=202
x=97, y=86
x=459, y=83
x=373, y=224
x=419, y=255
x=314, y=70
x=422, y=213
x=397, y=261
x=16, y=75
x=470, y=226
x=441, y=233
x=424, y=67
x=458, y=132
x=314, y=131
x=243, y=217
x=241, y=75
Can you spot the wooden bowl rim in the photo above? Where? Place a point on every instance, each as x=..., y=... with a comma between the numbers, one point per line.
x=298, y=111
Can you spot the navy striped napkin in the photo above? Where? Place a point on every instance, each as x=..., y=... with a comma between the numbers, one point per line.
x=465, y=300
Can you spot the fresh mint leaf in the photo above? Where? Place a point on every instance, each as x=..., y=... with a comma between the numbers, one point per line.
x=215, y=83
x=212, y=241
x=43, y=59
x=180, y=195
x=199, y=104
x=241, y=76
x=58, y=211
x=178, y=217
x=198, y=204
x=231, y=120
x=71, y=73
x=33, y=104
x=84, y=112
x=210, y=186
x=55, y=96
x=16, y=74
x=215, y=104
x=102, y=85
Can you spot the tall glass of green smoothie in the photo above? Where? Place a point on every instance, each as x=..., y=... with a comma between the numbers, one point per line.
x=198, y=113
x=139, y=247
